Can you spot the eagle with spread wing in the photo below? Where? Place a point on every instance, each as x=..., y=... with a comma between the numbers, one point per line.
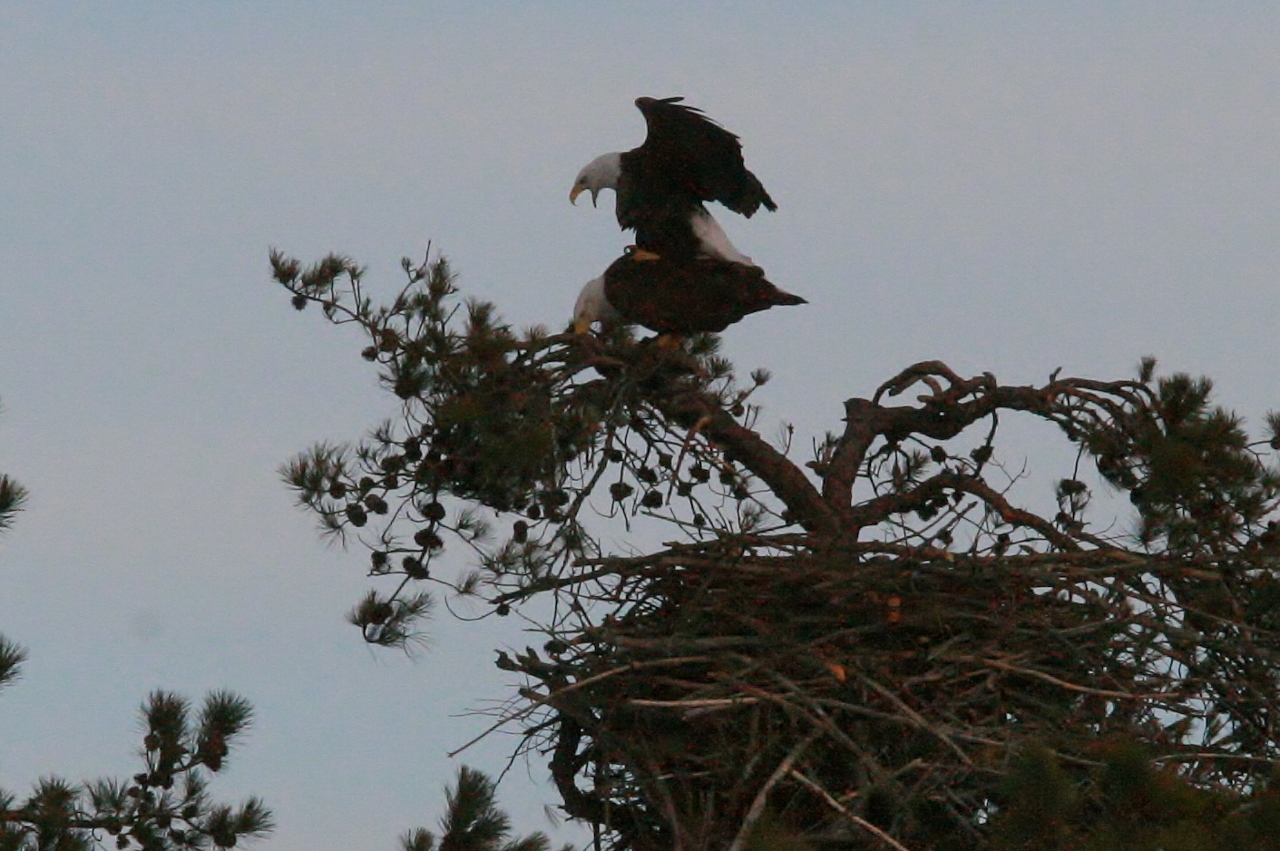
x=684, y=275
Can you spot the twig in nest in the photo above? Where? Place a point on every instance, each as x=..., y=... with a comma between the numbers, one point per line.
x=757, y=805
x=840, y=808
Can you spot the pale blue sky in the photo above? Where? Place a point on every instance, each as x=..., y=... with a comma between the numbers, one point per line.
x=1007, y=187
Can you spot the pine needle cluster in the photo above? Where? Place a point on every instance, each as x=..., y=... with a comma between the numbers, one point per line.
x=164, y=807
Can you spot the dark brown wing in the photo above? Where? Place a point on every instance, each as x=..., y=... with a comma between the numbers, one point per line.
x=676, y=297
x=686, y=160
x=708, y=156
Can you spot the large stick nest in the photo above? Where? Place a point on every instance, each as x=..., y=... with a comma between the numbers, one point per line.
x=826, y=687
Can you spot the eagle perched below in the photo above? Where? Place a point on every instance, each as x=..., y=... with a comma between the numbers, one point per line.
x=673, y=296
x=684, y=275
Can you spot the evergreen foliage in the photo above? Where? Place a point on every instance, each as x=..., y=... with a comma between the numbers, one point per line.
x=164, y=807
x=12, y=498
x=882, y=646
x=473, y=822
x=1127, y=803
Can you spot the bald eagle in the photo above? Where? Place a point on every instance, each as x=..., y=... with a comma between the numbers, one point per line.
x=592, y=306
x=686, y=160
x=677, y=296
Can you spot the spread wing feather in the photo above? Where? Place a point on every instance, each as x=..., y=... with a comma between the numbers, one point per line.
x=686, y=160
x=708, y=156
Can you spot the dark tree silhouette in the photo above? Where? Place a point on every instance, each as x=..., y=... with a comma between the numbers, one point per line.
x=473, y=822
x=12, y=497
x=164, y=807
x=861, y=649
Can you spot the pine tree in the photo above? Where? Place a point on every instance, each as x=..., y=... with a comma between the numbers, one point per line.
x=473, y=822
x=880, y=647
x=12, y=497
x=1126, y=803
x=164, y=807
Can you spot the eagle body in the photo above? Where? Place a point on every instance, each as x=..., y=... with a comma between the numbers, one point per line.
x=683, y=275
x=674, y=296
x=662, y=186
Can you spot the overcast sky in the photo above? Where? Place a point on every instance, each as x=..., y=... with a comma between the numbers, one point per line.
x=1007, y=187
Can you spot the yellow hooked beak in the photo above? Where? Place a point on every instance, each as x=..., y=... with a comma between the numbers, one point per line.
x=578, y=189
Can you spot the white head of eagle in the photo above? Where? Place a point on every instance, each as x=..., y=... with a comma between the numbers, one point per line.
x=601, y=173
x=592, y=307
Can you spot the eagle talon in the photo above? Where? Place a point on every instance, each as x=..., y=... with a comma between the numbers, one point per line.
x=641, y=255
